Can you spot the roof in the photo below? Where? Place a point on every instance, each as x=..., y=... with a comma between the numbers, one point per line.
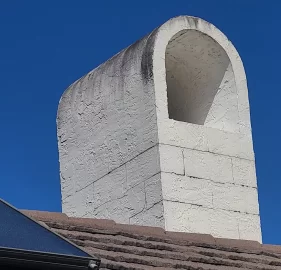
x=131, y=247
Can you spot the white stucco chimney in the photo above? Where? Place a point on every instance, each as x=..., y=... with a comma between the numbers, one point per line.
x=160, y=135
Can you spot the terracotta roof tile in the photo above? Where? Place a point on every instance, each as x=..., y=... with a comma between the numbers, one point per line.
x=130, y=247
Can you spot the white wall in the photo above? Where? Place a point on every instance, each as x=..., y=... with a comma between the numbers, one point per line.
x=105, y=119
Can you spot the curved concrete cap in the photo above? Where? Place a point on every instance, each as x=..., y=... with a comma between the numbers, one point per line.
x=173, y=104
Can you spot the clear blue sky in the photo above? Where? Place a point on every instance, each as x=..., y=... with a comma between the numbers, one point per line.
x=47, y=45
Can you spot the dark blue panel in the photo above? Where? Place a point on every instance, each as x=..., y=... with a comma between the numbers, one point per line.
x=20, y=232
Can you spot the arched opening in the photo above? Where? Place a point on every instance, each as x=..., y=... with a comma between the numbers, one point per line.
x=201, y=86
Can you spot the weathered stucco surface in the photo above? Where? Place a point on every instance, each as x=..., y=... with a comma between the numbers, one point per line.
x=160, y=135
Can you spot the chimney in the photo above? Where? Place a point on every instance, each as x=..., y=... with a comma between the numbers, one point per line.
x=160, y=135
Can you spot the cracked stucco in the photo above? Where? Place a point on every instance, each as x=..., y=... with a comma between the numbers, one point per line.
x=160, y=135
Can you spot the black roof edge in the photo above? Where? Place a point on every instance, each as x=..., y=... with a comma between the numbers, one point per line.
x=40, y=260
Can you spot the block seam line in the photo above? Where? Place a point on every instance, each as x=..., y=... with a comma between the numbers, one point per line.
x=210, y=208
x=207, y=179
x=182, y=150
x=232, y=169
x=210, y=152
x=143, y=208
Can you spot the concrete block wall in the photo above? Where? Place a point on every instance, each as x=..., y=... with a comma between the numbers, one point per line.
x=209, y=192
x=160, y=135
x=131, y=194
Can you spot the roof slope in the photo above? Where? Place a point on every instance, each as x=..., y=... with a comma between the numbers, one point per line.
x=130, y=247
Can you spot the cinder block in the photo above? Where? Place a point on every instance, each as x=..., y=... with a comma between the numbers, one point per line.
x=80, y=203
x=117, y=210
x=186, y=190
x=244, y=172
x=235, y=198
x=121, y=208
x=224, y=224
x=110, y=187
x=208, y=166
x=136, y=199
x=230, y=144
x=182, y=134
x=190, y=218
x=151, y=217
x=143, y=166
x=153, y=191
x=249, y=227
x=78, y=170
x=171, y=159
